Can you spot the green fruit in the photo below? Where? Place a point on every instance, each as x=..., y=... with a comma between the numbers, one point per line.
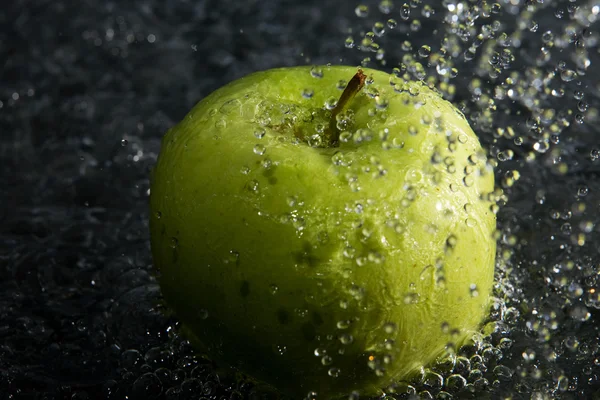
x=317, y=252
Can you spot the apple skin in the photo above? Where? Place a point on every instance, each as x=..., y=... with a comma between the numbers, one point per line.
x=324, y=269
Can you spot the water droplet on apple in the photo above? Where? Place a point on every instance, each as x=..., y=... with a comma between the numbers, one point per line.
x=253, y=186
x=315, y=141
x=390, y=327
x=230, y=106
x=349, y=252
x=259, y=149
x=343, y=324
x=334, y=372
x=311, y=396
x=331, y=103
x=468, y=208
x=259, y=133
x=413, y=130
x=308, y=93
x=316, y=72
x=381, y=102
x=319, y=351
x=266, y=163
x=411, y=298
x=397, y=143
x=473, y=290
x=221, y=124
x=174, y=243
x=345, y=137
x=326, y=360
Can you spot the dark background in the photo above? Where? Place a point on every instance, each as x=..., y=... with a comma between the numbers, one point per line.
x=87, y=89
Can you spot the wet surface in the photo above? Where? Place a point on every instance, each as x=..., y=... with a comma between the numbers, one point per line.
x=88, y=89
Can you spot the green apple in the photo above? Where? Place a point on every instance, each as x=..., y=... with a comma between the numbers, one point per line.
x=324, y=230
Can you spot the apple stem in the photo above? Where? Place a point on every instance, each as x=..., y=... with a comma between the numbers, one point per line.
x=352, y=88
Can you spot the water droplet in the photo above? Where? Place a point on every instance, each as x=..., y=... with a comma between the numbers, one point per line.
x=316, y=72
x=455, y=382
x=311, y=396
x=379, y=29
x=259, y=149
x=390, y=327
x=386, y=6
x=541, y=147
x=433, y=380
x=568, y=75
x=361, y=11
x=503, y=373
x=253, y=186
x=343, y=324
x=326, y=360
x=533, y=26
x=473, y=290
x=315, y=140
x=354, y=396
x=259, y=133
x=451, y=242
x=230, y=106
x=424, y=51
x=346, y=338
x=308, y=93
x=411, y=298
x=427, y=11
x=405, y=12
x=147, y=386
x=333, y=372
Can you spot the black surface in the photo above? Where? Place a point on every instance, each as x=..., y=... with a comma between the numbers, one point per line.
x=87, y=88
